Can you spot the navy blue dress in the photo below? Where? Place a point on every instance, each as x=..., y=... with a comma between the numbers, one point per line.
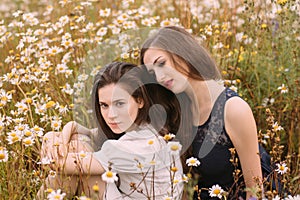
x=211, y=146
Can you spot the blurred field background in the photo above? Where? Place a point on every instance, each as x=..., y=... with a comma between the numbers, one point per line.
x=44, y=45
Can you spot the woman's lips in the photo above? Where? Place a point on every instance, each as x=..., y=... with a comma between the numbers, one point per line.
x=114, y=124
x=168, y=84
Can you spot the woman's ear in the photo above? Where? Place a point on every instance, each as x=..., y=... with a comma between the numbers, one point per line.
x=140, y=101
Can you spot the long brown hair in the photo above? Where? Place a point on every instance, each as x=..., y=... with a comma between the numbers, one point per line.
x=136, y=82
x=183, y=47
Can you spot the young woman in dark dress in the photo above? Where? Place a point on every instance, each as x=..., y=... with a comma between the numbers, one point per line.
x=220, y=121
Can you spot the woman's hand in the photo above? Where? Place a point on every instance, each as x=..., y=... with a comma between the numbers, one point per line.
x=53, y=146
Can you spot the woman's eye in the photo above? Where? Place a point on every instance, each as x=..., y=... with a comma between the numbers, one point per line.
x=119, y=104
x=103, y=106
x=162, y=63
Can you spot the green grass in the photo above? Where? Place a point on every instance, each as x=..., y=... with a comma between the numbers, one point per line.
x=266, y=57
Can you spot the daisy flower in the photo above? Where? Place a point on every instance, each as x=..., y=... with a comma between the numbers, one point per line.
x=109, y=177
x=52, y=173
x=193, y=162
x=216, y=191
x=105, y=13
x=281, y=168
x=290, y=197
x=165, y=22
x=283, y=89
x=13, y=137
x=185, y=178
x=167, y=197
x=29, y=141
x=125, y=55
x=38, y=131
x=102, y=31
x=277, y=127
x=174, y=147
x=276, y=198
x=67, y=43
x=54, y=50
x=3, y=155
x=82, y=154
x=143, y=10
x=267, y=101
x=56, y=123
x=169, y=136
x=44, y=161
x=56, y=195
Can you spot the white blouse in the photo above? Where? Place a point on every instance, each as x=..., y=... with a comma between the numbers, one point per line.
x=142, y=158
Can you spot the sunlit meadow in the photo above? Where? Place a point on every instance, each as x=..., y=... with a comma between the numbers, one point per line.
x=44, y=45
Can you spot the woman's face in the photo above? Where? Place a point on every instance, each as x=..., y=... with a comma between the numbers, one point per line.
x=159, y=63
x=118, y=108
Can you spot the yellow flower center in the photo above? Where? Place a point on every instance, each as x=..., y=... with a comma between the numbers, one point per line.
x=28, y=142
x=109, y=174
x=28, y=100
x=167, y=137
x=281, y=168
x=28, y=133
x=2, y=156
x=217, y=191
x=176, y=181
x=193, y=161
x=50, y=104
x=150, y=142
x=264, y=26
x=13, y=134
x=174, y=147
x=49, y=190
x=152, y=162
x=4, y=98
x=95, y=188
x=174, y=169
x=82, y=155
x=36, y=129
x=139, y=165
x=52, y=173
x=57, y=196
x=166, y=23
x=15, y=138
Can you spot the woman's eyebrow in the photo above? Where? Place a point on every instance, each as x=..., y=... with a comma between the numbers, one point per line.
x=155, y=61
x=115, y=100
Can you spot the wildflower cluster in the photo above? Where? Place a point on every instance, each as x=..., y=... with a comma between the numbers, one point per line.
x=48, y=48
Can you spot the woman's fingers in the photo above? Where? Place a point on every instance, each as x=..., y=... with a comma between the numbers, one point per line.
x=51, y=145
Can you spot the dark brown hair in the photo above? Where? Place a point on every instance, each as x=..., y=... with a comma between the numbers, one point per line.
x=136, y=82
x=181, y=46
x=127, y=75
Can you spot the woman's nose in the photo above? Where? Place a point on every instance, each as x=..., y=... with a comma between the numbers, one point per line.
x=112, y=113
x=160, y=76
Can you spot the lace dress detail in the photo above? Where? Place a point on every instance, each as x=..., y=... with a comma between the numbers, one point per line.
x=211, y=146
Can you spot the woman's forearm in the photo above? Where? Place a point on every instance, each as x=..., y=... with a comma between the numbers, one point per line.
x=78, y=163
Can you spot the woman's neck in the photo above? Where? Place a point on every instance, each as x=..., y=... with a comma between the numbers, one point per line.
x=203, y=95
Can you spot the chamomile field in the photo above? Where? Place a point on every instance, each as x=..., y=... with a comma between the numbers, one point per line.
x=50, y=49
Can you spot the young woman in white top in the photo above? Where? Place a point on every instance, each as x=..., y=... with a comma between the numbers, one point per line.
x=148, y=167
